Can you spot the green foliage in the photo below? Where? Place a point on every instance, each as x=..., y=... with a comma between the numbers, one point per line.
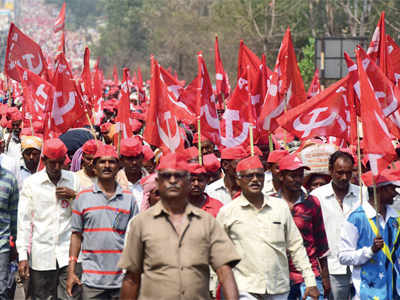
x=306, y=63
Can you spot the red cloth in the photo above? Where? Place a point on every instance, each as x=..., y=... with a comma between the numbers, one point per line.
x=54, y=149
x=131, y=147
x=105, y=150
x=90, y=147
x=211, y=163
x=212, y=206
x=291, y=162
x=148, y=153
x=250, y=163
x=277, y=155
x=196, y=169
x=237, y=152
x=192, y=152
x=174, y=161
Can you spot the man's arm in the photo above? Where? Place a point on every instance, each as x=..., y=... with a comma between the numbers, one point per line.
x=130, y=286
x=226, y=279
x=74, y=249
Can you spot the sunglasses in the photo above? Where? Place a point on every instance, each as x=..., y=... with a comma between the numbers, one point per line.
x=176, y=175
x=248, y=177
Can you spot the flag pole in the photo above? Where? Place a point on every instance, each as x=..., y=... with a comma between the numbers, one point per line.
x=91, y=125
x=359, y=163
x=251, y=140
x=270, y=143
x=119, y=139
x=376, y=203
x=30, y=123
x=199, y=142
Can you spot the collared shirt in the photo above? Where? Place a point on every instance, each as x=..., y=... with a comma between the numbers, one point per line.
x=307, y=215
x=85, y=181
x=22, y=173
x=334, y=219
x=268, y=188
x=217, y=190
x=212, y=206
x=49, y=220
x=176, y=267
x=8, y=208
x=103, y=223
x=263, y=237
x=355, y=244
x=135, y=187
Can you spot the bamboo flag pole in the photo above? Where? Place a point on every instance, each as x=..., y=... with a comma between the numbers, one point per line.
x=199, y=143
x=270, y=143
x=251, y=140
x=359, y=163
x=30, y=123
x=91, y=125
x=376, y=204
x=119, y=138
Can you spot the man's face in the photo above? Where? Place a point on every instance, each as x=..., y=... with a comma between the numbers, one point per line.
x=31, y=158
x=54, y=166
x=207, y=147
x=148, y=165
x=16, y=127
x=341, y=172
x=106, y=167
x=173, y=184
x=317, y=181
x=292, y=180
x=251, y=181
x=275, y=171
x=87, y=161
x=198, y=184
x=387, y=194
x=132, y=164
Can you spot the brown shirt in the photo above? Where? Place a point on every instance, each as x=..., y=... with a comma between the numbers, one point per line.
x=176, y=267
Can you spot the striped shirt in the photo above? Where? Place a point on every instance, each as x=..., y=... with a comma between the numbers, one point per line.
x=103, y=223
x=8, y=208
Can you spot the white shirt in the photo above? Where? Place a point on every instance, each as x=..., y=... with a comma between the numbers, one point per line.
x=9, y=163
x=14, y=148
x=217, y=190
x=268, y=188
x=349, y=254
x=334, y=219
x=50, y=218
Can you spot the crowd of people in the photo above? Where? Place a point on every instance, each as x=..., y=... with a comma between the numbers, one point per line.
x=88, y=215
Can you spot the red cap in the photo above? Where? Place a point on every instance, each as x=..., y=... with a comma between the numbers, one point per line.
x=211, y=163
x=105, y=150
x=257, y=150
x=108, y=106
x=196, y=169
x=192, y=152
x=15, y=115
x=131, y=147
x=105, y=127
x=277, y=155
x=54, y=149
x=148, y=153
x=386, y=177
x=250, y=163
x=38, y=126
x=237, y=152
x=173, y=161
x=90, y=147
x=291, y=162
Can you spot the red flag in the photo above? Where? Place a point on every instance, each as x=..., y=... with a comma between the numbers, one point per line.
x=378, y=46
x=124, y=111
x=326, y=114
x=61, y=46
x=86, y=84
x=66, y=110
x=140, y=89
x=377, y=139
x=315, y=86
x=22, y=51
x=97, y=94
x=162, y=128
x=115, y=76
x=393, y=51
x=60, y=21
x=222, y=85
x=286, y=90
x=37, y=93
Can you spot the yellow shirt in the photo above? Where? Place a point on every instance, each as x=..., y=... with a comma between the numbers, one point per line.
x=262, y=238
x=84, y=180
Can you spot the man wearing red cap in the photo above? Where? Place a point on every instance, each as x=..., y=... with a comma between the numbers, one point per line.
x=264, y=231
x=272, y=182
x=369, y=240
x=100, y=218
x=338, y=199
x=226, y=188
x=207, y=147
x=307, y=215
x=171, y=245
x=13, y=144
x=148, y=159
x=44, y=223
x=131, y=155
x=86, y=175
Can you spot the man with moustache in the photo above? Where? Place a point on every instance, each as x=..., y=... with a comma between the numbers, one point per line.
x=100, y=218
x=171, y=245
x=263, y=232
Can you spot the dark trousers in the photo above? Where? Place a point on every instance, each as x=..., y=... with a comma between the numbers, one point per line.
x=51, y=285
x=89, y=293
x=7, y=280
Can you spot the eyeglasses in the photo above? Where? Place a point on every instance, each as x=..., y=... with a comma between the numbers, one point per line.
x=248, y=177
x=176, y=175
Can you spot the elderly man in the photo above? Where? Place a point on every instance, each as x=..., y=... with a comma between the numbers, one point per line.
x=263, y=232
x=100, y=218
x=307, y=215
x=369, y=240
x=44, y=224
x=170, y=246
x=86, y=175
x=131, y=155
x=338, y=199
